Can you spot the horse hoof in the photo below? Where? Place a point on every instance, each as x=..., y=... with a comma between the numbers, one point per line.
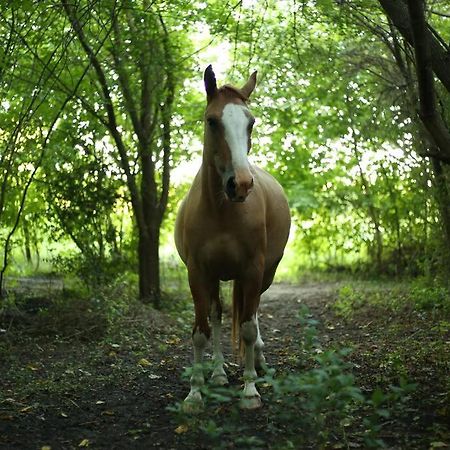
x=251, y=402
x=219, y=380
x=193, y=403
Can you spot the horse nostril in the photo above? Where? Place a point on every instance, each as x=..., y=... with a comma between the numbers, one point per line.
x=231, y=187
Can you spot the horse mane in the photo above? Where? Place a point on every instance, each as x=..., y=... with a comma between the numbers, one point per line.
x=232, y=90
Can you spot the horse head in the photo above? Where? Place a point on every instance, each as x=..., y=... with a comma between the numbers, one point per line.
x=228, y=129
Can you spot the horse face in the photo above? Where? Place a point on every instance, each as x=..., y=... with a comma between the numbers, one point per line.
x=228, y=128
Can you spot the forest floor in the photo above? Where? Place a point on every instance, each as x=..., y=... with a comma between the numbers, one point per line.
x=76, y=380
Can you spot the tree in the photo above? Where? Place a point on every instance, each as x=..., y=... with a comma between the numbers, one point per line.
x=28, y=120
x=135, y=82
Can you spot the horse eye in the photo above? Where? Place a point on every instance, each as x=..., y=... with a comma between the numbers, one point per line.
x=212, y=122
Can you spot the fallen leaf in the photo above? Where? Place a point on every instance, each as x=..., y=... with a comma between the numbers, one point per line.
x=108, y=412
x=144, y=362
x=153, y=376
x=99, y=402
x=173, y=340
x=26, y=409
x=33, y=368
x=181, y=429
x=84, y=443
x=63, y=414
x=438, y=444
x=6, y=417
x=46, y=447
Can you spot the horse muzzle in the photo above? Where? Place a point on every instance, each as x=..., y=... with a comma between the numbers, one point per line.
x=238, y=190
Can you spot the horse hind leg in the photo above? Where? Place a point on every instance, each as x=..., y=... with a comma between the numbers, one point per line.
x=218, y=377
x=260, y=360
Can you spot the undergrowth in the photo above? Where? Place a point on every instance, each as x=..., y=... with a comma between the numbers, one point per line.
x=316, y=405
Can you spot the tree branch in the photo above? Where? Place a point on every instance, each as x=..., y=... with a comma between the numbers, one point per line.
x=397, y=11
x=428, y=113
x=112, y=121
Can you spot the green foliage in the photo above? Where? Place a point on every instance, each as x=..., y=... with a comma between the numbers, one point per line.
x=421, y=294
x=336, y=124
x=348, y=301
x=318, y=404
x=430, y=296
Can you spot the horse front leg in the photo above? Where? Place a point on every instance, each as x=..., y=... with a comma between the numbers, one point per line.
x=250, y=336
x=201, y=332
x=251, y=398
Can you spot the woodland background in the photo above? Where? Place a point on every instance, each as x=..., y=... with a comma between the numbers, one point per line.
x=101, y=125
x=102, y=100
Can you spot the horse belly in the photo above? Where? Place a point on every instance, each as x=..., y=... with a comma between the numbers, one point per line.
x=222, y=257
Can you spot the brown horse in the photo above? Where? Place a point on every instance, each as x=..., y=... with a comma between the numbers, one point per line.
x=233, y=225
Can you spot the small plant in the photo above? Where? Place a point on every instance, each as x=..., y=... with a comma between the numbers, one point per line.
x=426, y=297
x=381, y=406
x=348, y=300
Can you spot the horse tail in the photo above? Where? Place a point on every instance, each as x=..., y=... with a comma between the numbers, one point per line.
x=237, y=305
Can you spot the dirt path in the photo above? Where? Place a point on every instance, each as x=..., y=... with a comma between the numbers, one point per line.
x=115, y=395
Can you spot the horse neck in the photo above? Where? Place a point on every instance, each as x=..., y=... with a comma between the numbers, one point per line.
x=212, y=188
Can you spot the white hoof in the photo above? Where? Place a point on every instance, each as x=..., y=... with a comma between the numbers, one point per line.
x=193, y=403
x=250, y=402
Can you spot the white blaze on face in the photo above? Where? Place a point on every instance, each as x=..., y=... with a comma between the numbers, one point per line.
x=235, y=120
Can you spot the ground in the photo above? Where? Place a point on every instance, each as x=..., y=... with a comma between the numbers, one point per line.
x=65, y=387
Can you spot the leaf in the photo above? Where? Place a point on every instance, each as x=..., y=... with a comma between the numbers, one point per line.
x=26, y=409
x=438, y=444
x=174, y=340
x=144, y=362
x=46, y=447
x=99, y=402
x=181, y=429
x=84, y=443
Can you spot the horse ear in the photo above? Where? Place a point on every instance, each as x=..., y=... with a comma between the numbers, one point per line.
x=210, y=81
x=247, y=89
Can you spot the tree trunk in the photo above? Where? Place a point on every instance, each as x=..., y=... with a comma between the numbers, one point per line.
x=26, y=233
x=397, y=11
x=148, y=255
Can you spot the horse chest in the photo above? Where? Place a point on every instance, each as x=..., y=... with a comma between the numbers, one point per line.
x=223, y=255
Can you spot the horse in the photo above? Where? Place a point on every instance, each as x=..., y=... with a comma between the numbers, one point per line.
x=232, y=225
